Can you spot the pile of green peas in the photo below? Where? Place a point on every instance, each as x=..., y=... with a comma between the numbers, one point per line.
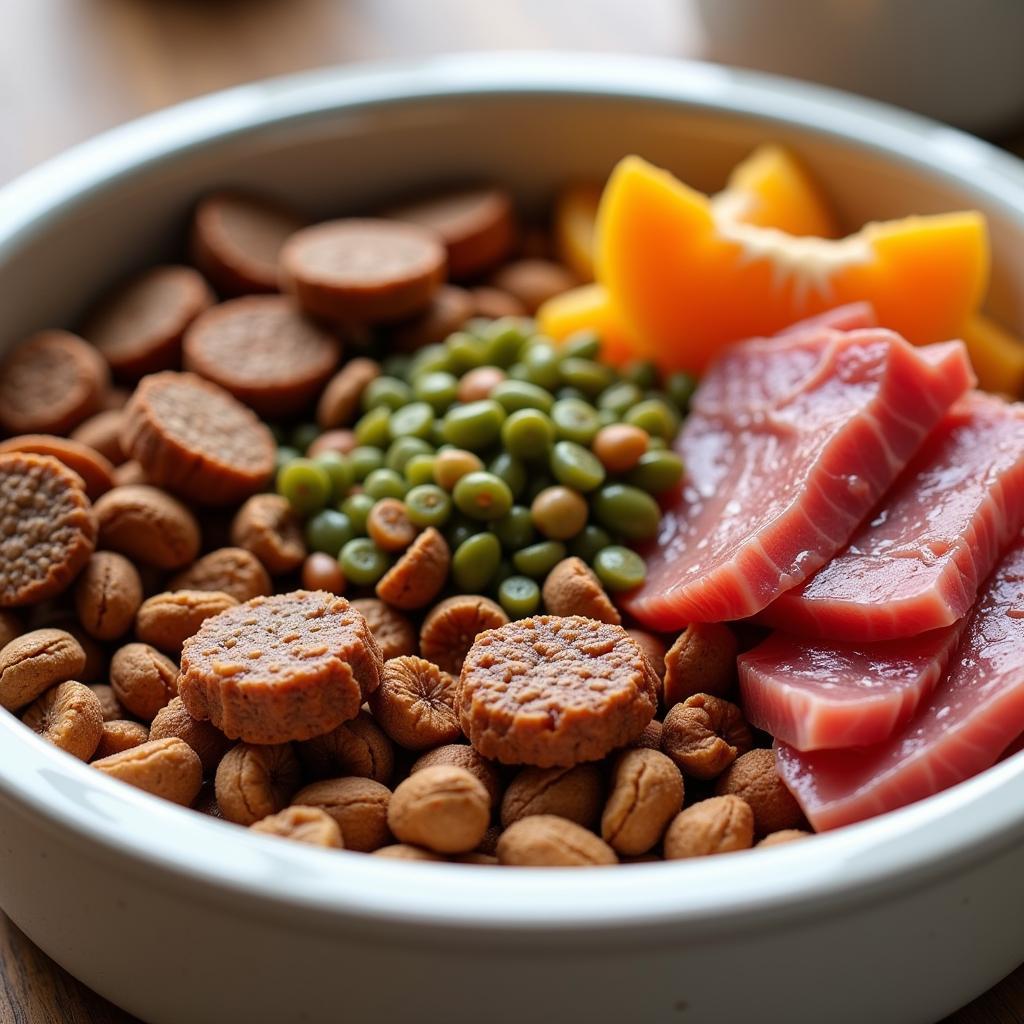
x=494, y=438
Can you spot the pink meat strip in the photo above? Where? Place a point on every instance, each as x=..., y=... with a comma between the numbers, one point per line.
x=917, y=563
x=822, y=696
x=973, y=714
x=791, y=442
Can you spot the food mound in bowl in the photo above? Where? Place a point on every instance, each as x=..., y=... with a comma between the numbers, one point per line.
x=673, y=530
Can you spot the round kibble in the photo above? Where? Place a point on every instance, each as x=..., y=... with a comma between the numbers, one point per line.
x=646, y=794
x=120, y=735
x=443, y=808
x=702, y=660
x=359, y=806
x=546, y=841
x=70, y=717
x=358, y=747
x=403, y=851
x=783, y=836
x=559, y=512
x=33, y=662
x=533, y=281
x=721, y=824
x=494, y=304
x=143, y=679
x=112, y=710
x=342, y=398
x=266, y=526
x=95, y=470
x=108, y=594
x=166, y=768
x=419, y=575
x=233, y=571
x=462, y=755
x=575, y=793
x=415, y=704
x=338, y=441
x=304, y=825
x=752, y=776
x=451, y=627
x=653, y=646
x=252, y=781
x=148, y=526
x=203, y=737
x=449, y=309
x=167, y=620
x=392, y=630
x=704, y=735
x=572, y=589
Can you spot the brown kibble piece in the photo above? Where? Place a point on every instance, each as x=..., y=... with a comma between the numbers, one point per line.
x=253, y=782
x=69, y=716
x=358, y=747
x=340, y=440
x=120, y=735
x=553, y=690
x=263, y=351
x=96, y=471
x=11, y=627
x=545, y=841
x=267, y=526
x=287, y=667
x=494, y=303
x=476, y=858
x=33, y=662
x=575, y=793
x=203, y=737
x=419, y=575
x=452, y=626
x=114, y=398
x=320, y=571
x=96, y=657
x=702, y=660
x=647, y=793
x=489, y=844
x=783, y=836
x=148, y=526
x=754, y=778
x=138, y=326
x=389, y=526
x=359, y=806
x=534, y=281
x=48, y=528
x=102, y=433
x=403, y=851
x=363, y=270
x=107, y=595
x=653, y=646
x=304, y=825
x=165, y=768
x=415, y=703
x=130, y=474
x=721, y=824
x=206, y=802
x=571, y=588
x=144, y=680
x=50, y=383
x=477, y=226
x=443, y=808
x=462, y=755
x=111, y=706
x=339, y=404
x=704, y=735
x=233, y=571
x=450, y=309
x=236, y=239
x=167, y=620
x=391, y=629
x=193, y=437
x=650, y=738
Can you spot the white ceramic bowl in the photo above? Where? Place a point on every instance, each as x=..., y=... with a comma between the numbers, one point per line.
x=179, y=918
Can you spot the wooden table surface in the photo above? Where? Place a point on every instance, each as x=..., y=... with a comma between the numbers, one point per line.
x=70, y=68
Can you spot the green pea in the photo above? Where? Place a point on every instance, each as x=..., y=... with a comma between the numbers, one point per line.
x=285, y=454
x=413, y=420
x=519, y=596
x=644, y=374
x=304, y=435
x=438, y=389
x=583, y=344
x=515, y=528
x=475, y=561
x=357, y=507
x=656, y=444
x=620, y=568
x=402, y=449
x=482, y=496
x=362, y=562
x=538, y=560
x=575, y=420
x=385, y=483
x=503, y=341
x=373, y=427
x=655, y=416
x=465, y=352
x=437, y=434
x=340, y=470
x=389, y=392
x=364, y=460
x=620, y=398
x=419, y=469
x=429, y=359
x=428, y=505
x=518, y=371
x=627, y=511
x=396, y=365
x=511, y=470
x=576, y=467
x=528, y=434
x=305, y=485
x=656, y=472
x=680, y=388
x=513, y=395
x=475, y=425
x=591, y=539
x=588, y=376
x=329, y=531
x=574, y=393
x=606, y=417
x=543, y=365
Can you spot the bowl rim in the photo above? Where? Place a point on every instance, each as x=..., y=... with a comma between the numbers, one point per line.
x=973, y=821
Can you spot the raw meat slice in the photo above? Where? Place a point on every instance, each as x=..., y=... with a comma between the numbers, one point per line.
x=790, y=443
x=843, y=318
x=917, y=564
x=822, y=696
x=973, y=714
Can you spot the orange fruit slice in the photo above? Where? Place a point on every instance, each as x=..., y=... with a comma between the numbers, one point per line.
x=996, y=355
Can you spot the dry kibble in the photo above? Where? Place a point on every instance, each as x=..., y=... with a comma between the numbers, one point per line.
x=339, y=404
x=452, y=626
x=704, y=735
x=415, y=703
x=359, y=806
x=233, y=571
x=443, y=808
x=148, y=526
x=167, y=620
x=304, y=825
x=389, y=526
x=102, y=433
x=479, y=859
x=653, y=646
x=70, y=717
x=783, y=836
x=267, y=526
x=110, y=705
x=130, y=474
x=33, y=662
x=11, y=627
x=462, y=755
x=358, y=747
x=534, y=281
x=120, y=735
x=203, y=737
x=166, y=768
x=252, y=781
x=107, y=595
x=651, y=736
x=545, y=841
x=96, y=655
x=702, y=660
x=489, y=844
x=571, y=588
x=206, y=802
x=647, y=793
x=419, y=575
x=403, y=851
x=574, y=793
x=392, y=630
x=721, y=824
x=754, y=778
x=144, y=680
